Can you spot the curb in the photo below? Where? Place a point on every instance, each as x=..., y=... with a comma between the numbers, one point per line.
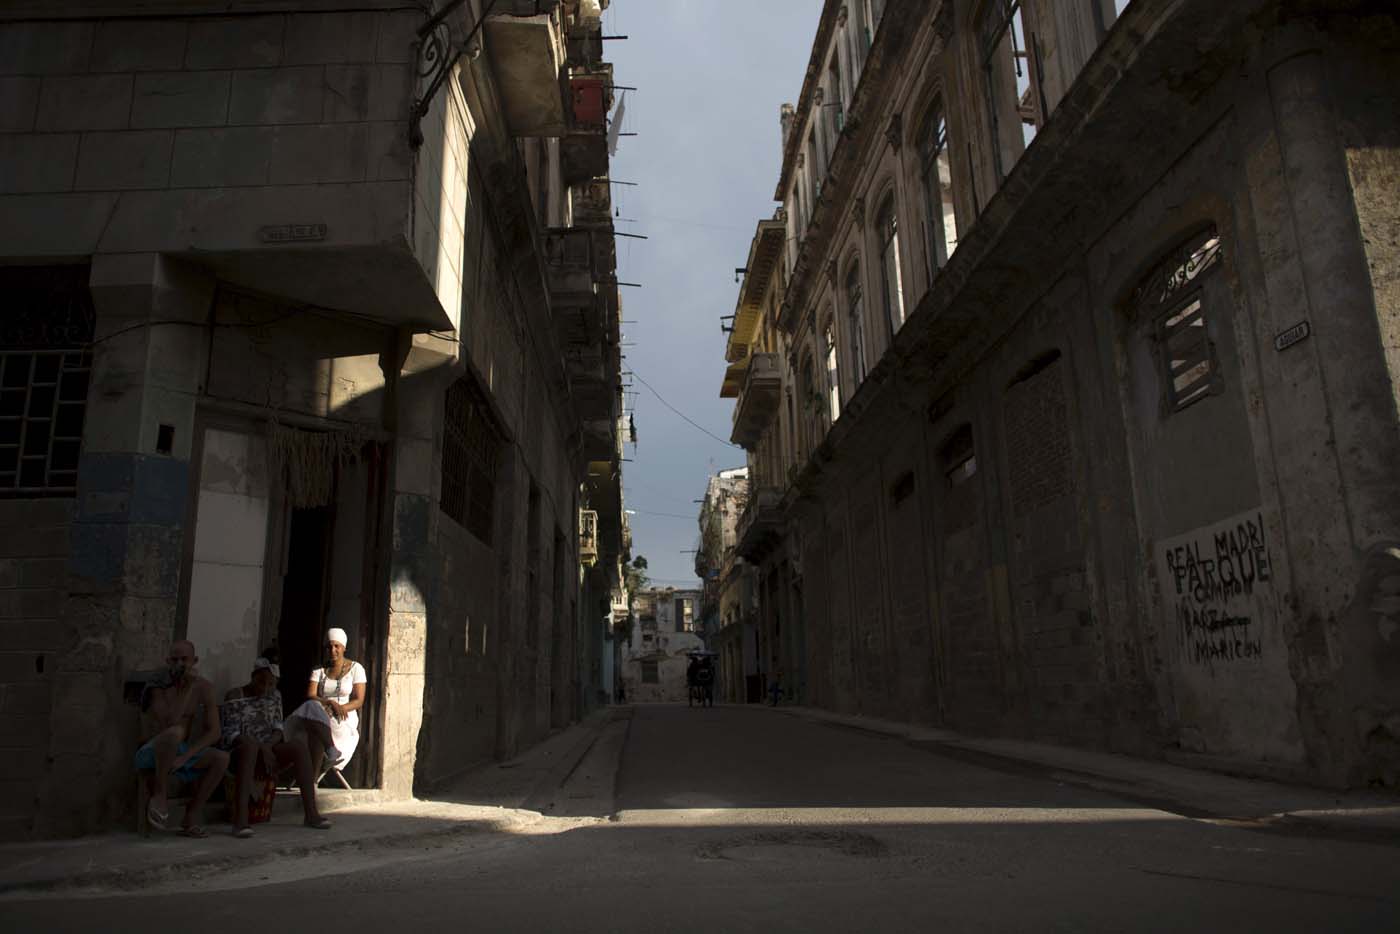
x=193, y=868
x=1130, y=788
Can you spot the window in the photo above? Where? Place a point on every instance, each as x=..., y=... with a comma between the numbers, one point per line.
x=959, y=457
x=940, y=224
x=833, y=376
x=810, y=416
x=814, y=144
x=1011, y=94
x=855, y=304
x=836, y=106
x=470, y=452
x=891, y=275
x=45, y=359
x=650, y=672
x=1172, y=295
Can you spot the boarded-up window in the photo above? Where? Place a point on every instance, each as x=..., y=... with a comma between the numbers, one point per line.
x=470, y=455
x=1037, y=435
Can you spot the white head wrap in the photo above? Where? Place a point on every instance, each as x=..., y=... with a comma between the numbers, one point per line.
x=260, y=663
x=337, y=635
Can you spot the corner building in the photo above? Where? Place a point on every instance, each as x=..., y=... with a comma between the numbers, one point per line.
x=1065, y=371
x=310, y=320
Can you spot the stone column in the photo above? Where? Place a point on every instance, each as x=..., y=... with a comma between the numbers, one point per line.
x=1346, y=695
x=417, y=376
x=128, y=528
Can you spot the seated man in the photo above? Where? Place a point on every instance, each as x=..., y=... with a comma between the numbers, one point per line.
x=252, y=716
x=182, y=724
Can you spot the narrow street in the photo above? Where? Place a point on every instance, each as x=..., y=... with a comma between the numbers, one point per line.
x=751, y=819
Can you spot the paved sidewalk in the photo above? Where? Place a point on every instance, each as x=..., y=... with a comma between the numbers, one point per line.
x=494, y=798
x=1187, y=791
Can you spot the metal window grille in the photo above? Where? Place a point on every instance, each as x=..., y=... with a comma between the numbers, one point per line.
x=1173, y=296
x=45, y=364
x=470, y=456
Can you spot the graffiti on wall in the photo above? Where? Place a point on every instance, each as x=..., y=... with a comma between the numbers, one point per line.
x=1217, y=584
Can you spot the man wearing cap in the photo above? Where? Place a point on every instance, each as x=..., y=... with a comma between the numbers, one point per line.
x=252, y=729
x=330, y=719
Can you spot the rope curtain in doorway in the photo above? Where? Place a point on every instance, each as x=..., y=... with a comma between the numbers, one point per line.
x=308, y=461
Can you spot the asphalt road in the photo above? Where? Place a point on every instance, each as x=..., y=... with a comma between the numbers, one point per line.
x=742, y=819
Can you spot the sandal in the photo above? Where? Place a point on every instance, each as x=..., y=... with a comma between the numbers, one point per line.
x=156, y=817
x=319, y=823
x=195, y=831
x=243, y=833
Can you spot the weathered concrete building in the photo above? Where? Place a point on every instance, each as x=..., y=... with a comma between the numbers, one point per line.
x=727, y=620
x=664, y=629
x=1068, y=376
x=310, y=319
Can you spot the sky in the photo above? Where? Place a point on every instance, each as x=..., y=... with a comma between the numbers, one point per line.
x=710, y=78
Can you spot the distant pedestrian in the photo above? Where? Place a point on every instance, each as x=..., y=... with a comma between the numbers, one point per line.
x=775, y=689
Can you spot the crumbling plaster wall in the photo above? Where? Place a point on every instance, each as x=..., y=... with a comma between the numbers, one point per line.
x=33, y=583
x=1077, y=642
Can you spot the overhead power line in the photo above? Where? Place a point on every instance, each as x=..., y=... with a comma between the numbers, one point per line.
x=662, y=399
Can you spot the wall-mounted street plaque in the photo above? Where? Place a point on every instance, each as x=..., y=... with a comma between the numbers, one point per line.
x=291, y=233
x=1294, y=335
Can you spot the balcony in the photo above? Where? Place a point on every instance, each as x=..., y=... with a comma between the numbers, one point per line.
x=600, y=440
x=758, y=401
x=591, y=203
x=761, y=525
x=587, y=537
x=526, y=51
x=583, y=150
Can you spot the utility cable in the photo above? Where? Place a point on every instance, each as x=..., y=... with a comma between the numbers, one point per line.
x=688, y=419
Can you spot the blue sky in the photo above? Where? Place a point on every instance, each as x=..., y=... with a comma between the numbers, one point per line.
x=711, y=75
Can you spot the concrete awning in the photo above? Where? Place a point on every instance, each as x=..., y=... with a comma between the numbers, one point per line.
x=527, y=58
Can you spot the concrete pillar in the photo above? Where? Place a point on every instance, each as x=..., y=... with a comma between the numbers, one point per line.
x=418, y=375
x=128, y=528
x=1345, y=693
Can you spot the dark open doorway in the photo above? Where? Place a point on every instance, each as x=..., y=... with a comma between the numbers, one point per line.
x=304, y=589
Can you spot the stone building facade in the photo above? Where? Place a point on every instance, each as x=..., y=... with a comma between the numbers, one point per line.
x=1068, y=378
x=724, y=576
x=311, y=320
x=665, y=628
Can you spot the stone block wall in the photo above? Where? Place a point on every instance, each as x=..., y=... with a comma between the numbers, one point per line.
x=33, y=562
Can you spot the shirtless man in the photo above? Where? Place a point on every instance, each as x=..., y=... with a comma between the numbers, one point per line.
x=183, y=726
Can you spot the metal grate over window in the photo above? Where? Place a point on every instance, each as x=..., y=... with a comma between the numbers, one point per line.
x=470, y=457
x=1172, y=295
x=45, y=361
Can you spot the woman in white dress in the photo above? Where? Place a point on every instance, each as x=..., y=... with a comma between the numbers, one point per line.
x=330, y=718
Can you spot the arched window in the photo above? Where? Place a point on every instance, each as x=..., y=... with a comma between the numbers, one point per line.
x=1012, y=96
x=855, y=305
x=833, y=376
x=891, y=276
x=940, y=225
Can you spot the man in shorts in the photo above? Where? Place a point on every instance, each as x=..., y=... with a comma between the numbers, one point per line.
x=181, y=724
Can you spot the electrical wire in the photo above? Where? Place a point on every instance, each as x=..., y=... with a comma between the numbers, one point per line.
x=668, y=515
x=662, y=399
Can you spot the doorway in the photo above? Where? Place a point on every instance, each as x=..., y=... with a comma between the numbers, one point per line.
x=305, y=584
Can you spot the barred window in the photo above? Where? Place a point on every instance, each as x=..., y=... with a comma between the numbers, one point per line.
x=45, y=360
x=1173, y=298
x=470, y=457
